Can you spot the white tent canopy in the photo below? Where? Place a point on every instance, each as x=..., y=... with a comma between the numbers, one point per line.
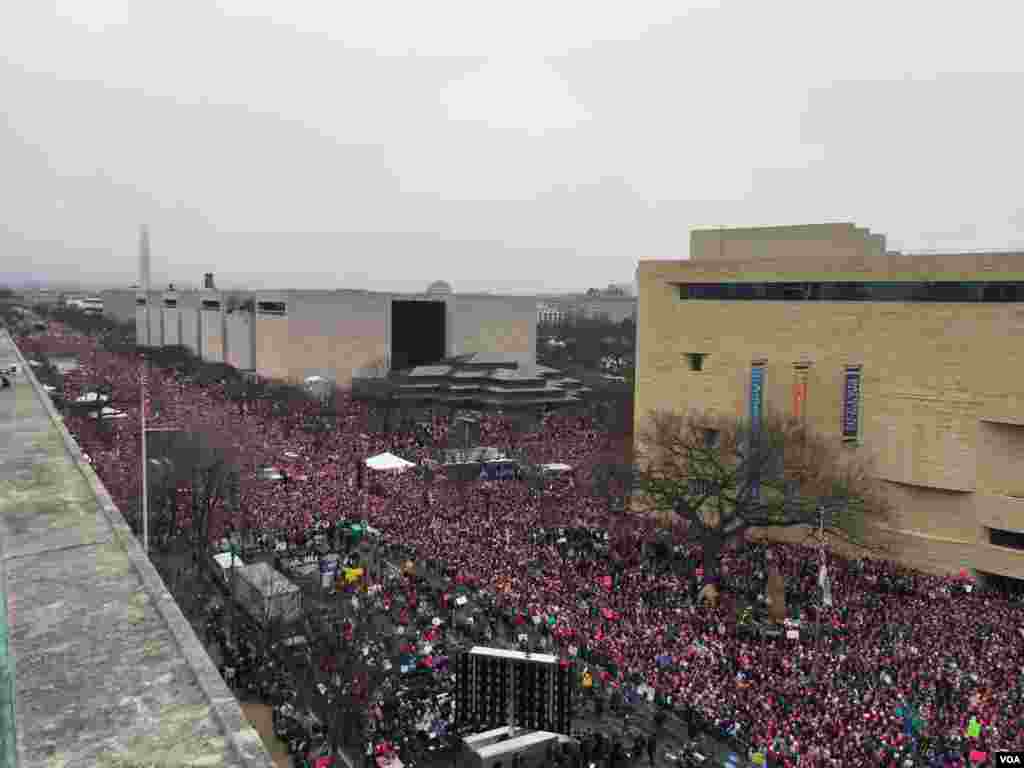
x=556, y=467
x=226, y=560
x=388, y=461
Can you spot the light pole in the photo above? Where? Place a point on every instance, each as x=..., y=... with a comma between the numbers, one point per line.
x=145, y=463
x=144, y=270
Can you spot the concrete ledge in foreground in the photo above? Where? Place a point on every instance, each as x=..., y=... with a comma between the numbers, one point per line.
x=107, y=670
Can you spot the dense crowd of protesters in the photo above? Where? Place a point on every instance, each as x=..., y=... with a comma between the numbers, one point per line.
x=894, y=641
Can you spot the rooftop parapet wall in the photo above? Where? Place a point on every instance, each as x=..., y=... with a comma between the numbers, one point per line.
x=811, y=246
x=106, y=665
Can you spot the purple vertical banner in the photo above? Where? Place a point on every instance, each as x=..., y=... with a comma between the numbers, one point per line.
x=851, y=403
x=757, y=370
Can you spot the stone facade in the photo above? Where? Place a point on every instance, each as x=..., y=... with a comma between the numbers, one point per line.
x=942, y=392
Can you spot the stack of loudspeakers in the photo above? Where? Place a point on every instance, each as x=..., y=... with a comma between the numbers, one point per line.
x=495, y=687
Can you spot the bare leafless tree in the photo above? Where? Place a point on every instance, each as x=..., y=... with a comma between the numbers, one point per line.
x=722, y=478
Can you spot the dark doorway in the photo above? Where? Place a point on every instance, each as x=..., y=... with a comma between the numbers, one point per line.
x=417, y=333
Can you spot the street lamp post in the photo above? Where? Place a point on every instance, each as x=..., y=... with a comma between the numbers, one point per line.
x=145, y=463
x=144, y=265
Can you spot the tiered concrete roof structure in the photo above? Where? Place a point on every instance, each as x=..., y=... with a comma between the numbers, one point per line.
x=488, y=380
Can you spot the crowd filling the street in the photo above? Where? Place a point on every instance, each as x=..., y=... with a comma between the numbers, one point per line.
x=895, y=666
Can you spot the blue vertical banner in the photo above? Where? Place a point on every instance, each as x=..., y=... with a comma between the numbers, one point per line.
x=851, y=403
x=757, y=369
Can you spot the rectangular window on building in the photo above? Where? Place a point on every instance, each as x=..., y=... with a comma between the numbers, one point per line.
x=271, y=308
x=170, y=303
x=949, y=291
x=999, y=292
x=696, y=360
x=140, y=302
x=211, y=305
x=1008, y=539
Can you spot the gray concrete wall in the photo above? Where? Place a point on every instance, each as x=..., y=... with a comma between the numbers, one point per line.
x=271, y=338
x=171, y=321
x=211, y=336
x=500, y=324
x=156, y=333
x=140, y=326
x=239, y=342
x=331, y=334
x=211, y=328
x=336, y=334
x=188, y=309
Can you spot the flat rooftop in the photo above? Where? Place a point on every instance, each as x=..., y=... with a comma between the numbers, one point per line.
x=106, y=669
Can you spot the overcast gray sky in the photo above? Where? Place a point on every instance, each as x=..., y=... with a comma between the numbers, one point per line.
x=506, y=146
